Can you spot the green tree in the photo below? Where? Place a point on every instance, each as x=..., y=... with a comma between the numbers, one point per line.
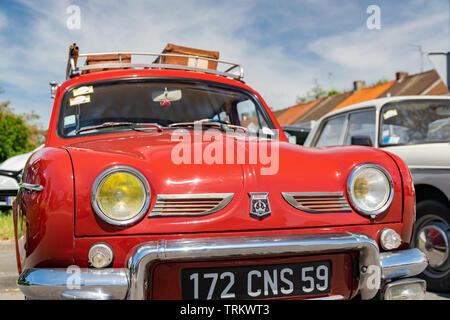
x=381, y=81
x=17, y=132
x=315, y=93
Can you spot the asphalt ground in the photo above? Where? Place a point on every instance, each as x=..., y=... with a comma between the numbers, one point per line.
x=8, y=276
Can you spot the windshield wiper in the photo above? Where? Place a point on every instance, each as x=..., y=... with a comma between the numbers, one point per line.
x=208, y=123
x=121, y=124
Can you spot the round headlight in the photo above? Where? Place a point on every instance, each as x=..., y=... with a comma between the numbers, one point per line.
x=370, y=189
x=120, y=195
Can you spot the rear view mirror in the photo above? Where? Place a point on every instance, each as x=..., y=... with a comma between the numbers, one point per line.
x=166, y=95
x=362, y=141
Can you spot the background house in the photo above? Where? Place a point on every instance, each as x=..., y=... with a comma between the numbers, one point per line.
x=304, y=114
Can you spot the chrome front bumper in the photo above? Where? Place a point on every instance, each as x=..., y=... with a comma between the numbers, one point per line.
x=133, y=282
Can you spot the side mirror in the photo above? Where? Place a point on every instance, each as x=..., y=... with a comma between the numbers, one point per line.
x=362, y=141
x=53, y=89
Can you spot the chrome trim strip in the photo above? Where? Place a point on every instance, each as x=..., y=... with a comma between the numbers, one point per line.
x=401, y=264
x=143, y=255
x=337, y=199
x=55, y=284
x=160, y=66
x=414, y=168
x=108, y=172
x=189, y=204
x=31, y=187
x=85, y=295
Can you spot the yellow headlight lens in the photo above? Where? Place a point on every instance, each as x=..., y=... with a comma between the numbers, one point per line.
x=121, y=196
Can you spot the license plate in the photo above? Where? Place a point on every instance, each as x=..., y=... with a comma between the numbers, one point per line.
x=257, y=282
x=9, y=200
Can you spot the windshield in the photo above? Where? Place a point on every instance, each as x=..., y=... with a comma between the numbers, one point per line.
x=415, y=122
x=105, y=107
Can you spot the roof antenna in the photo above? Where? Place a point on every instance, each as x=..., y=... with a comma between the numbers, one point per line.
x=421, y=52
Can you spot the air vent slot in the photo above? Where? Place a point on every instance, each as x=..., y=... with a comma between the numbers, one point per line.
x=168, y=205
x=318, y=202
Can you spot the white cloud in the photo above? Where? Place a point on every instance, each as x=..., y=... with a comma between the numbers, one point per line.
x=374, y=53
x=144, y=26
x=3, y=20
x=28, y=63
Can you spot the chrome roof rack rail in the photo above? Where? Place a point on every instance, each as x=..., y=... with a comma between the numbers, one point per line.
x=224, y=68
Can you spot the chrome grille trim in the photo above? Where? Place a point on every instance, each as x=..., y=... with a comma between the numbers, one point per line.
x=169, y=205
x=317, y=202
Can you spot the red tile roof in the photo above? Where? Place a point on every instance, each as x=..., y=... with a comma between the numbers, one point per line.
x=325, y=106
x=292, y=114
x=365, y=94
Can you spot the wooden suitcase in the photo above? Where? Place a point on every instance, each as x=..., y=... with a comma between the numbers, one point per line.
x=106, y=59
x=189, y=61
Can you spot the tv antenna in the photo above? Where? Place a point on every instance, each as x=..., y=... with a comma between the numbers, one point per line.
x=421, y=53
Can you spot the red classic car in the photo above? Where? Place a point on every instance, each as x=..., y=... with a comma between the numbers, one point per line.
x=173, y=180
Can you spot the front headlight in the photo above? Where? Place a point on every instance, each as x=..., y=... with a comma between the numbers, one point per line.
x=370, y=189
x=120, y=195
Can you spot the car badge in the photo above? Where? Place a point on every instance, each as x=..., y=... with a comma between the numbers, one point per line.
x=259, y=205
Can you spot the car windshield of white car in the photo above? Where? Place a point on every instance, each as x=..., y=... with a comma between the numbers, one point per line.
x=415, y=122
x=169, y=104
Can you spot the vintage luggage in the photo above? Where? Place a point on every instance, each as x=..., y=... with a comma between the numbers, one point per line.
x=106, y=59
x=189, y=61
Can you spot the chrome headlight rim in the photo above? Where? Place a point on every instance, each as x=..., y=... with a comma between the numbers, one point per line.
x=106, y=174
x=388, y=202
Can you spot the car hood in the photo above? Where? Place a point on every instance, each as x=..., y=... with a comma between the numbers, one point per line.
x=291, y=169
x=17, y=163
x=424, y=155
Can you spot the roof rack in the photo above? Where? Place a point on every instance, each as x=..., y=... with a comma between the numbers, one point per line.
x=122, y=60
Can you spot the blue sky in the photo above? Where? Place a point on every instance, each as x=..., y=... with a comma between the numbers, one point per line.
x=283, y=45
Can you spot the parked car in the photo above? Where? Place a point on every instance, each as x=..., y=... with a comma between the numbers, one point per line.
x=296, y=134
x=112, y=207
x=10, y=173
x=416, y=128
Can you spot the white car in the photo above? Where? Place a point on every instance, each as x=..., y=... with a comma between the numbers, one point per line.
x=417, y=129
x=10, y=171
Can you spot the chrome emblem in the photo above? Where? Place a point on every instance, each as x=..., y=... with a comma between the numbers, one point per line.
x=259, y=205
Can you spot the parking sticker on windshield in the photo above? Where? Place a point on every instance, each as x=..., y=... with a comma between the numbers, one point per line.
x=80, y=100
x=83, y=91
x=69, y=120
x=390, y=113
x=391, y=140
